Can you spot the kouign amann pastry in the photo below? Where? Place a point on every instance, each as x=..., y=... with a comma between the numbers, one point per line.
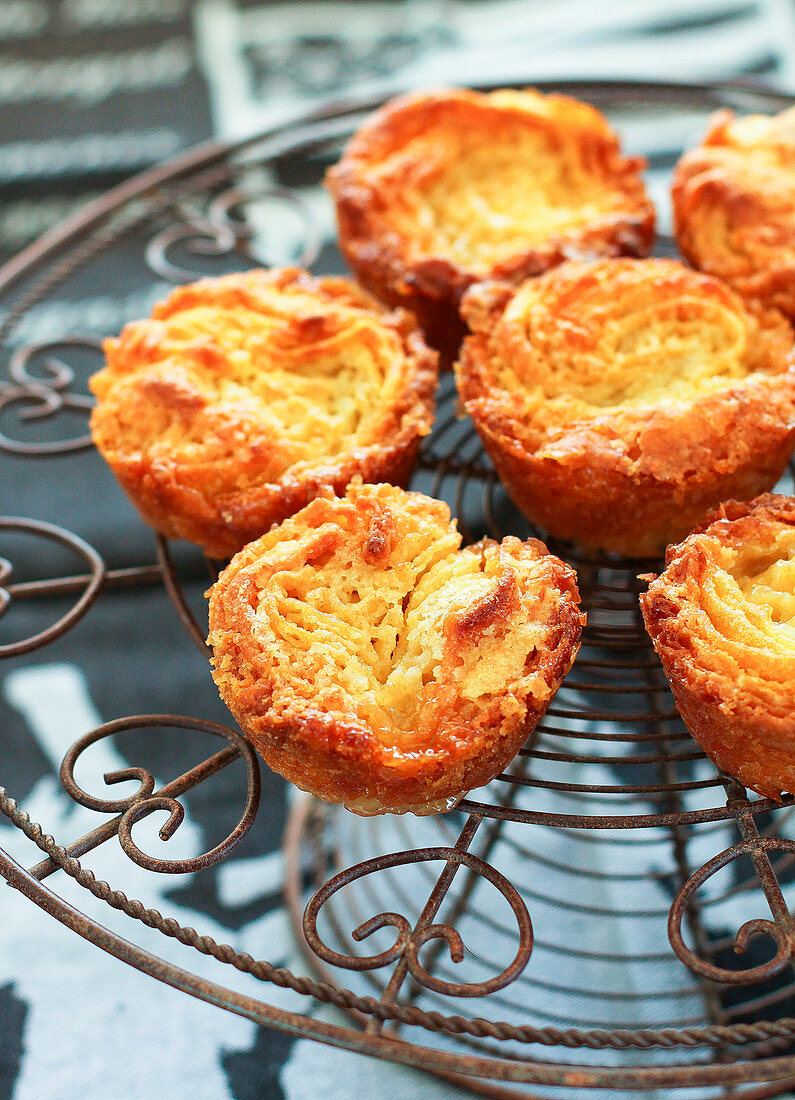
x=244, y=396
x=722, y=619
x=619, y=400
x=444, y=189
x=734, y=205
x=373, y=662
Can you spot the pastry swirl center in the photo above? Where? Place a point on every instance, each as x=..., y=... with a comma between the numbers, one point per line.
x=629, y=353
x=374, y=631
x=312, y=380
x=767, y=584
x=483, y=196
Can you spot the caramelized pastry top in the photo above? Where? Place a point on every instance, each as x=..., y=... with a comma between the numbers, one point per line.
x=722, y=619
x=734, y=205
x=597, y=346
x=441, y=189
x=469, y=177
x=622, y=399
x=428, y=664
x=257, y=380
x=728, y=593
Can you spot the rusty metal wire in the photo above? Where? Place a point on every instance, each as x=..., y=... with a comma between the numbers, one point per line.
x=618, y=1039
x=614, y=711
x=9, y=591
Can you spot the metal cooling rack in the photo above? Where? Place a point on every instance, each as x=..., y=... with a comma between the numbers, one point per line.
x=571, y=926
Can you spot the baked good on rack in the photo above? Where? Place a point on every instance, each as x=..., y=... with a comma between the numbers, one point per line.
x=621, y=399
x=442, y=189
x=373, y=662
x=734, y=205
x=722, y=619
x=244, y=396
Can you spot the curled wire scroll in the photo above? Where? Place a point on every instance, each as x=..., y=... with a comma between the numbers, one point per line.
x=224, y=232
x=8, y=592
x=146, y=800
x=411, y=939
x=782, y=938
x=44, y=395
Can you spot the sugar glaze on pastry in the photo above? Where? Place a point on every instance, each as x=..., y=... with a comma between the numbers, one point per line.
x=441, y=189
x=243, y=396
x=734, y=205
x=722, y=619
x=621, y=399
x=374, y=662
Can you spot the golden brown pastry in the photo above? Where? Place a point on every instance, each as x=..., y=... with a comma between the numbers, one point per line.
x=734, y=205
x=373, y=662
x=722, y=619
x=621, y=399
x=244, y=396
x=443, y=189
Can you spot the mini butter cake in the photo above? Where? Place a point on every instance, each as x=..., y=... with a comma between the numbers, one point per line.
x=373, y=662
x=734, y=205
x=621, y=399
x=244, y=396
x=441, y=190
x=722, y=619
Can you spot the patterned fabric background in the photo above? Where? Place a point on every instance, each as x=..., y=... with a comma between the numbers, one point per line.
x=91, y=91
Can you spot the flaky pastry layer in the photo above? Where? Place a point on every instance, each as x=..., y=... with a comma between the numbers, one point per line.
x=443, y=189
x=242, y=397
x=734, y=205
x=373, y=662
x=722, y=619
x=620, y=400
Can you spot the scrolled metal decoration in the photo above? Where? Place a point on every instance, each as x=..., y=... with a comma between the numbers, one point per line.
x=409, y=940
x=8, y=592
x=222, y=213
x=201, y=238
x=45, y=396
x=147, y=800
x=751, y=928
x=221, y=233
